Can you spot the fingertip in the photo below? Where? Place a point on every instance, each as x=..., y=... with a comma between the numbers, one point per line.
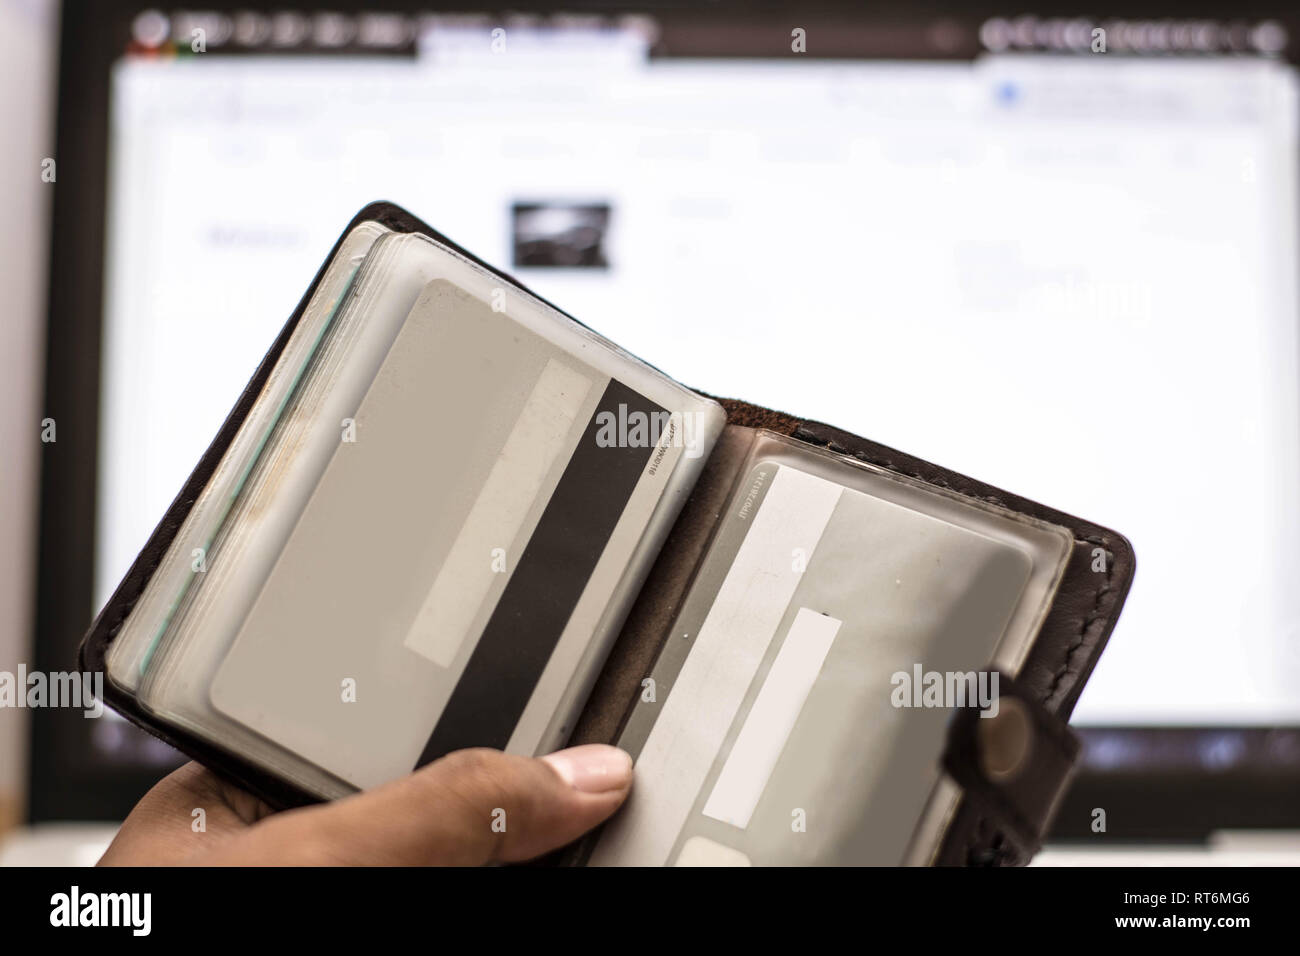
x=592, y=768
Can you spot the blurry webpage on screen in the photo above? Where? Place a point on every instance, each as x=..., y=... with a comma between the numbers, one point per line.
x=1070, y=278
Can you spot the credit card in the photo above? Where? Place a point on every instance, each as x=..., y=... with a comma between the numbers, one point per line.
x=768, y=732
x=469, y=552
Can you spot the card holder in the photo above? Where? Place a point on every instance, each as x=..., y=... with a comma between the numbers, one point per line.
x=980, y=818
x=656, y=630
x=1088, y=599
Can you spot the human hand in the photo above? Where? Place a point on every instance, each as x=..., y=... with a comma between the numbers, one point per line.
x=468, y=808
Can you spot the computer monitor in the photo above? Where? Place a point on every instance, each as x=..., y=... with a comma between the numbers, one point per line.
x=1056, y=253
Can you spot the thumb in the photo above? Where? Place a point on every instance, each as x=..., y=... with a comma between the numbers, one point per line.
x=468, y=808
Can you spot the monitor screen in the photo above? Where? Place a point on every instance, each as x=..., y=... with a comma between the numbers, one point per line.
x=1066, y=272
x=1070, y=277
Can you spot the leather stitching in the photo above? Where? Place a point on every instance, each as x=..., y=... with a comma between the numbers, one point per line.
x=1095, y=615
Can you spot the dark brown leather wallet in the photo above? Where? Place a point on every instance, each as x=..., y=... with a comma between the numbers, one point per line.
x=996, y=773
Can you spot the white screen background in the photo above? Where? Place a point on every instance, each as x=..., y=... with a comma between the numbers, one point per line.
x=1071, y=278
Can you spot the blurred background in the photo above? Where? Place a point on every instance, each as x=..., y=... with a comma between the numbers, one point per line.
x=1054, y=249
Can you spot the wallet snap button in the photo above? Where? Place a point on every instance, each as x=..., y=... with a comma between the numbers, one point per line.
x=1005, y=740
